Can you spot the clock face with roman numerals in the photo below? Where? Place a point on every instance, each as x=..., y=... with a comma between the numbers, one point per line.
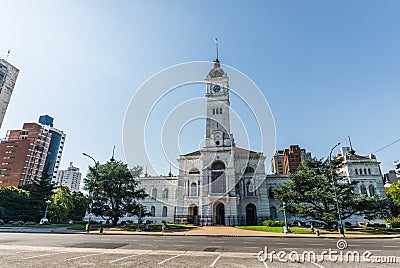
x=216, y=88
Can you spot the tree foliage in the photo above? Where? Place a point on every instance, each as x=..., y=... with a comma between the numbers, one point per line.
x=61, y=203
x=115, y=192
x=310, y=194
x=15, y=204
x=394, y=192
x=80, y=206
x=41, y=190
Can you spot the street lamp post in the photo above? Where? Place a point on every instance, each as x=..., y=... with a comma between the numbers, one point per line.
x=340, y=228
x=139, y=229
x=96, y=165
x=286, y=229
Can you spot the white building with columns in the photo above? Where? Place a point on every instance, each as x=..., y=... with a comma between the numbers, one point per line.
x=228, y=185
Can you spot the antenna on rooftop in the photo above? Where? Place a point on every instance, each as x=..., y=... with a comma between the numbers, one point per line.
x=112, y=157
x=8, y=53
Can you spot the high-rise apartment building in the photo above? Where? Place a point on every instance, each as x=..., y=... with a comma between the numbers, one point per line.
x=292, y=159
x=278, y=163
x=288, y=160
x=56, y=145
x=70, y=177
x=27, y=152
x=8, y=77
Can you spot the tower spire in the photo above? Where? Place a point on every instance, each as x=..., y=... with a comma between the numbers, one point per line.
x=351, y=147
x=170, y=171
x=216, y=48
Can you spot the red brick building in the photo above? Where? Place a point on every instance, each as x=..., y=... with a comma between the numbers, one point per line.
x=23, y=155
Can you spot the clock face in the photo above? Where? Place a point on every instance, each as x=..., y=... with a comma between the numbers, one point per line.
x=217, y=88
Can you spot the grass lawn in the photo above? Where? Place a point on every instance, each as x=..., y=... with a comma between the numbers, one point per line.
x=304, y=230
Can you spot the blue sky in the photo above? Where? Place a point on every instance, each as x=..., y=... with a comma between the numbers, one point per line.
x=327, y=68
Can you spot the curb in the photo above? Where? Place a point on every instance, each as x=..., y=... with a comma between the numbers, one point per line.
x=230, y=235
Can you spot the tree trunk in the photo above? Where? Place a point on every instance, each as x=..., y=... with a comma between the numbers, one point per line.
x=115, y=221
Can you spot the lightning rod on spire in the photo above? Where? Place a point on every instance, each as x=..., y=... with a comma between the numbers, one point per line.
x=216, y=47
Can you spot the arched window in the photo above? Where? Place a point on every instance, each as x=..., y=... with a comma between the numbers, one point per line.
x=249, y=190
x=356, y=171
x=249, y=171
x=369, y=171
x=153, y=211
x=273, y=213
x=154, y=193
x=165, y=193
x=365, y=171
x=218, y=183
x=193, y=189
x=164, y=211
x=363, y=189
x=360, y=171
x=371, y=189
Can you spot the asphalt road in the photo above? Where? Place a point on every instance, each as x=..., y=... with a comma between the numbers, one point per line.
x=94, y=250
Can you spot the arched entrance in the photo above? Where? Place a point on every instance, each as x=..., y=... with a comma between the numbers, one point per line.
x=220, y=214
x=251, y=214
x=193, y=211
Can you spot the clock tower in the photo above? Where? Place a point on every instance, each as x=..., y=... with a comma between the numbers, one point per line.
x=217, y=96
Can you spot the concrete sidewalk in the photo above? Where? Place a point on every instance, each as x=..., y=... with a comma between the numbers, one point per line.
x=236, y=232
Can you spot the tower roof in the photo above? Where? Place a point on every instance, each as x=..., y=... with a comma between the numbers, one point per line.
x=217, y=71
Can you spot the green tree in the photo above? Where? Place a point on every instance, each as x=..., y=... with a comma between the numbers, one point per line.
x=115, y=191
x=394, y=192
x=41, y=190
x=14, y=203
x=61, y=203
x=310, y=194
x=80, y=206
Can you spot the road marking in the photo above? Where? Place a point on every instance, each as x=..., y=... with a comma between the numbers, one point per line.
x=164, y=261
x=319, y=245
x=123, y=258
x=282, y=243
x=38, y=256
x=215, y=261
x=389, y=246
x=218, y=242
x=317, y=264
x=247, y=242
x=251, y=247
x=181, y=245
x=84, y=256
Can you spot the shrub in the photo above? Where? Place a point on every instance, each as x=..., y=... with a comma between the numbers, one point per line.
x=271, y=223
x=395, y=222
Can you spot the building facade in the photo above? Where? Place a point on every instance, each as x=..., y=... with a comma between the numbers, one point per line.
x=24, y=154
x=288, y=160
x=8, y=77
x=277, y=163
x=220, y=183
x=56, y=145
x=224, y=184
x=70, y=177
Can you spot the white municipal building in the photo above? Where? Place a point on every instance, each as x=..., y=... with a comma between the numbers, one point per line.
x=216, y=184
